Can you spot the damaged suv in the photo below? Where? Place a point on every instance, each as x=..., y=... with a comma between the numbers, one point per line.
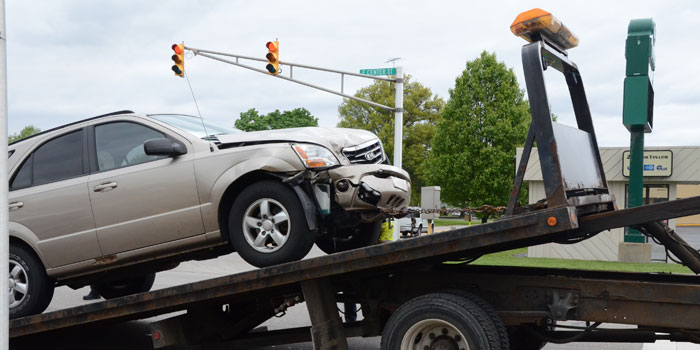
x=111, y=200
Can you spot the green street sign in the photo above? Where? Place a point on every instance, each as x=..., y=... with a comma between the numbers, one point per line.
x=378, y=71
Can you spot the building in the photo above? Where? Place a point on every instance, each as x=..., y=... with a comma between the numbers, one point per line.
x=664, y=179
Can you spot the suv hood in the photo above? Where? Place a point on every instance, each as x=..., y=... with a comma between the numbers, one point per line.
x=334, y=139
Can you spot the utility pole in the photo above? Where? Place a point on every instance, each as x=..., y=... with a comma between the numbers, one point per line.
x=4, y=213
x=398, y=132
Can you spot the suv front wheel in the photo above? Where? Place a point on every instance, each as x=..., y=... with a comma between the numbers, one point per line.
x=267, y=225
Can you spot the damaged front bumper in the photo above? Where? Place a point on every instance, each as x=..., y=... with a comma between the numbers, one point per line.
x=363, y=187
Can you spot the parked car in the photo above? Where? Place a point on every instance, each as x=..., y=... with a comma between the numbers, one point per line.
x=111, y=200
x=412, y=225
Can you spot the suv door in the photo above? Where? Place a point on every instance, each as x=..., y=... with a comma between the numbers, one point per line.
x=139, y=200
x=48, y=196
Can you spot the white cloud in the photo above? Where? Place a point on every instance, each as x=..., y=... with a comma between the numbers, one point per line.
x=69, y=60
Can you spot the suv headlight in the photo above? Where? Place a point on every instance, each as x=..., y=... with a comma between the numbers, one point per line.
x=314, y=156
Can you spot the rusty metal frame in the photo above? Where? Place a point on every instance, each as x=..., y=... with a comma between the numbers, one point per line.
x=537, y=56
x=327, y=332
x=522, y=295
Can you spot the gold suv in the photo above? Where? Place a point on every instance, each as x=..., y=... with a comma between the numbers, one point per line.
x=110, y=200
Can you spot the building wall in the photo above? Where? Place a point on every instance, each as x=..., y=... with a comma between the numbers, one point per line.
x=685, y=191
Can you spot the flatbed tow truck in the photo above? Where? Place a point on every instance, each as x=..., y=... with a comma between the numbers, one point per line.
x=415, y=300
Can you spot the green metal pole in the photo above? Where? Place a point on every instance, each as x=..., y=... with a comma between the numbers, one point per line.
x=637, y=112
x=636, y=186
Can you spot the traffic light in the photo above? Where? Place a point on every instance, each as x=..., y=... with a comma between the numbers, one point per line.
x=273, y=57
x=179, y=60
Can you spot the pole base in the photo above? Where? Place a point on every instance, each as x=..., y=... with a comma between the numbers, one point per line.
x=634, y=252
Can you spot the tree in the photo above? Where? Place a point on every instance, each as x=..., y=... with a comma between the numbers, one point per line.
x=421, y=112
x=26, y=132
x=484, y=121
x=251, y=120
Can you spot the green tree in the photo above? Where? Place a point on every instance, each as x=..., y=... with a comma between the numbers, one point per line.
x=421, y=112
x=26, y=132
x=251, y=120
x=484, y=120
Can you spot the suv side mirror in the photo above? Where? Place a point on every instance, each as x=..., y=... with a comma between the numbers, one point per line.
x=164, y=147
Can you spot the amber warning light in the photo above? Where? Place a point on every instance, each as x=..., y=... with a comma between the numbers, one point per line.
x=537, y=23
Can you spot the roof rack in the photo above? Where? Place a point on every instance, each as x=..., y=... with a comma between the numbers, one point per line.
x=125, y=111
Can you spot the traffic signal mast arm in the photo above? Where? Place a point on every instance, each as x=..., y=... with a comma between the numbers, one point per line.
x=214, y=55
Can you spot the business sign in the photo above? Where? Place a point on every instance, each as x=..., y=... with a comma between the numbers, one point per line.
x=656, y=163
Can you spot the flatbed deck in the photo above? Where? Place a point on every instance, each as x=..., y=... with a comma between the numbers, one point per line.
x=509, y=233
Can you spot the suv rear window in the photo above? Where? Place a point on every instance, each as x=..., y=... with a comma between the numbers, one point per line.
x=58, y=159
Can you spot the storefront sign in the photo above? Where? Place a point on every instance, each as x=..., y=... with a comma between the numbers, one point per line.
x=656, y=163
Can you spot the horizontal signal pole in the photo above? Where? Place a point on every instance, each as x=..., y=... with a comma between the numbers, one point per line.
x=212, y=55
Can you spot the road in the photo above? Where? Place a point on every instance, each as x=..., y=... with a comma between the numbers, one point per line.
x=134, y=335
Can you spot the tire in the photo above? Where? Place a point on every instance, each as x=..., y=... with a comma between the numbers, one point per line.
x=362, y=235
x=275, y=230
x=440, y=321
x=121, y=288
x=31, y=289
x=491, y=312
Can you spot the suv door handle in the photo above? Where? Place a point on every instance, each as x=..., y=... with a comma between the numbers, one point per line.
x=106, y=186
x=15, y=205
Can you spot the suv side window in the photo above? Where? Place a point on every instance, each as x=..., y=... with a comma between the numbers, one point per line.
x=58, y=159
x=120, y=144
x=23, y=177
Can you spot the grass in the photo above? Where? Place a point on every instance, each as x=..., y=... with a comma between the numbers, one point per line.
x=454, y=222
x=511, y=258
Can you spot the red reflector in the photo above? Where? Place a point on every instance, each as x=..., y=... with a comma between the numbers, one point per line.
x=156, y=335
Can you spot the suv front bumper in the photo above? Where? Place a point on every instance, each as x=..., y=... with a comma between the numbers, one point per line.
x=368, y=187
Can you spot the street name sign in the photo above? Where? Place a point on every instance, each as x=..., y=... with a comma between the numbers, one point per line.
x=378, y=71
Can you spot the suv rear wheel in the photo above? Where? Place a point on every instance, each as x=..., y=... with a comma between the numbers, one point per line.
x=267, y=225
x=30, y=289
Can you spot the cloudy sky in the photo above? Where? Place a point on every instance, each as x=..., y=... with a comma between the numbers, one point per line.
x=69, y=60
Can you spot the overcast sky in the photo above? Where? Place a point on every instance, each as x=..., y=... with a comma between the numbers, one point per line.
x=69, y=60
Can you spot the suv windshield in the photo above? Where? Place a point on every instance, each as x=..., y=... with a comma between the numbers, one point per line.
x=195, y=126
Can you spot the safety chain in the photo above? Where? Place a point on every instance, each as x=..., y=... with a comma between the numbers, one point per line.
x=484, y=209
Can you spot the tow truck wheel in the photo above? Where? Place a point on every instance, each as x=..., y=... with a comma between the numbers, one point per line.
x=267, y=225
x=362, y=235
x=496, y=320
x=440, y=321
x=120, y=288
x=30, y=289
